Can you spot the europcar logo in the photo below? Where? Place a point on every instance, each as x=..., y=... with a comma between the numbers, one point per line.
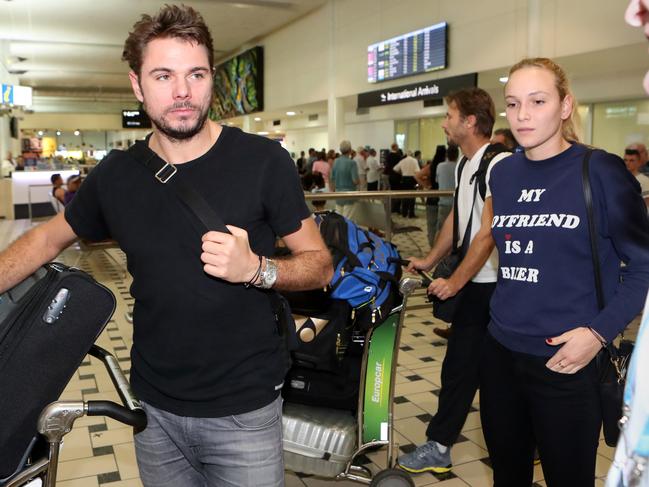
x=377, y=391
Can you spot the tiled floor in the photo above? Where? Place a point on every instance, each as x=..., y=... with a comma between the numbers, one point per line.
x=100, y=451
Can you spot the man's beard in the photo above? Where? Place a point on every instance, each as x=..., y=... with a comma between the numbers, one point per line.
x=184, y=132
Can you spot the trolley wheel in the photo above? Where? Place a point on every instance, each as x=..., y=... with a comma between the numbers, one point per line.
x=392, y=477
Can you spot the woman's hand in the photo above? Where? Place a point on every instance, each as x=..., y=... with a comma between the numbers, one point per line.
x=580, y=347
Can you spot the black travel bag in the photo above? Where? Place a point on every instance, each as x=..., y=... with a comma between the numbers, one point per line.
x=325, y=365
x=48, y=323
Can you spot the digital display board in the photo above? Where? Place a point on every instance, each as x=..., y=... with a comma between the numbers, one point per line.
x=417, y=52
x=135, y=119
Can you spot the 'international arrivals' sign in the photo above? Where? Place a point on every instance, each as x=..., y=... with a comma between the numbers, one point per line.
x=425, y=90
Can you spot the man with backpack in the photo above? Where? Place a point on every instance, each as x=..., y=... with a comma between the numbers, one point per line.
x=469, y=122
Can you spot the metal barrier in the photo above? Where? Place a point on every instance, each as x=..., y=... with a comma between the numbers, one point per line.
x=385, y=197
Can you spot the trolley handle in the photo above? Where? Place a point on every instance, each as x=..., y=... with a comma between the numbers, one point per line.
x=133, y=417
x=131, y=411
x=426, y=279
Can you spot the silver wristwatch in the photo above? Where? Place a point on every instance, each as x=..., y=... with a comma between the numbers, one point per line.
x=269, y=275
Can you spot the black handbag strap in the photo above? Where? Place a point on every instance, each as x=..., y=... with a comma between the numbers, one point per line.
x=588, y=197
x=592, y=231
x=456, y=216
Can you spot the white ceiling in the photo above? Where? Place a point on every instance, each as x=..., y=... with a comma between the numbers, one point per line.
x=76, y=45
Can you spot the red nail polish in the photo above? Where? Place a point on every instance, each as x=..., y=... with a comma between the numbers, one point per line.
x=549, y=340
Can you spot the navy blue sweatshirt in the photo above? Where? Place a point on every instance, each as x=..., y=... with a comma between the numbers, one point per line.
x=546, y=284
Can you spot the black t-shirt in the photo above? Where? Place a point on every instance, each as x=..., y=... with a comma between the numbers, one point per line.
x=202, y=347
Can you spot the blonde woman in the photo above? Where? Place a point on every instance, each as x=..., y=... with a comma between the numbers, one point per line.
x=539, y=382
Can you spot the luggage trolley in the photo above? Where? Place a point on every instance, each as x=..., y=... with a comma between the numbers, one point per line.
x=326, y=442
x=58, y=418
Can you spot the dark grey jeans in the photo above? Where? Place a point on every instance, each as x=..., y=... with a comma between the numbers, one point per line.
x=232, y=451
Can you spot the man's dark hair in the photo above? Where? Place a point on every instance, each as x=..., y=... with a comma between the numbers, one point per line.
x=452, y=152
x=510, y=141
x=172, y=21
x=477, y=102
x=55, y=177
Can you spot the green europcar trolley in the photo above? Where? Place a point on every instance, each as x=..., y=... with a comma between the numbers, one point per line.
x=374, y=418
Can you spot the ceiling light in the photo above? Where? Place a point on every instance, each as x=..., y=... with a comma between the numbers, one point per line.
x=503, y=79
x=502, y=114
x=278, y=131
x=262, y=133
x=76, y=132
x=257, y=119
x=58, y=132
x=290, y=114
x=40, y=133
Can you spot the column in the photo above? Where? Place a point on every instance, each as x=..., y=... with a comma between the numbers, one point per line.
x=247, y=124
x=534, y=33
x=335, y=107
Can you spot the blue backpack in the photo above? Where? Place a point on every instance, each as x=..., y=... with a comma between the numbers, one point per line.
x=366, y=268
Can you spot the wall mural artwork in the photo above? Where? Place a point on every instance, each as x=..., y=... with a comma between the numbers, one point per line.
x=238, y=85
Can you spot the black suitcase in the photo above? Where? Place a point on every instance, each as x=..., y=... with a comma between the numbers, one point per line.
x=47, y=325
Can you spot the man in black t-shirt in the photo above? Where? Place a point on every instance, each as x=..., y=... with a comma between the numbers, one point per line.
x=207, y=359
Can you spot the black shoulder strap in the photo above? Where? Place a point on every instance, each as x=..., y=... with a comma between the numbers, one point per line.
x=590, y=213
x=456, y=218
x=490, y=152
x=164, y=173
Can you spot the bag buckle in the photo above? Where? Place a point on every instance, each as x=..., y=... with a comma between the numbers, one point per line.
x=165, y=173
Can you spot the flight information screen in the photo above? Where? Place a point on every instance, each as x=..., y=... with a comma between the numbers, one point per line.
x=409, y=54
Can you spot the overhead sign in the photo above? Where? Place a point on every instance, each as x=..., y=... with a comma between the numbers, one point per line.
x=135, y=119
x=425, y=90
x=17, y=95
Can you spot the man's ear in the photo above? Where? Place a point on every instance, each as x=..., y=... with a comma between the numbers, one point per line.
x=470, y=121
x=135, y=85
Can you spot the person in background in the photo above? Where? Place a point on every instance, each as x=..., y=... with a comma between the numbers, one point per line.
x=469, y=119
x=504, y=137
x=642, y=150
x=301, y=164
x=633, y=162
x=312, y=158
x=426, y=180
x=58, y=191
x=8, y=165
x=72, y=185
x=407, y=167
x=321, y=166
x=539, y=382
x=373, y=171
x=359, y=158
x=394, y=178
x=344, y=177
